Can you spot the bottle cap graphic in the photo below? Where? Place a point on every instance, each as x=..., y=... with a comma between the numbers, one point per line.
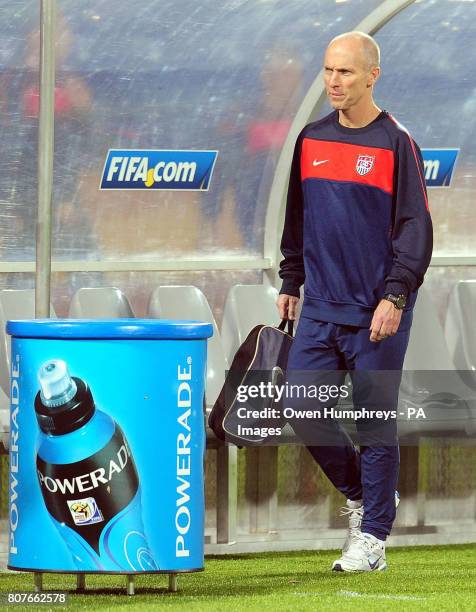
x=64, y=403
x=57, y=387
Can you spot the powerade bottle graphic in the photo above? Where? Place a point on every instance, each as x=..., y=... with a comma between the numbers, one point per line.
x=87, y=476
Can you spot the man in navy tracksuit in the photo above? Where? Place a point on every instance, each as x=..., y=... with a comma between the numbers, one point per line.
x=358, y=234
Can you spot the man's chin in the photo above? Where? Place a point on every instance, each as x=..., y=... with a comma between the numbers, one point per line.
x=337, y=104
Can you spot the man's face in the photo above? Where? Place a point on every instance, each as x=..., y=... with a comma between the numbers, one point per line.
x=347, y=78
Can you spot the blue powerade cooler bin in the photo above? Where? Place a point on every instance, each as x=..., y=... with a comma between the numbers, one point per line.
x=107, y=446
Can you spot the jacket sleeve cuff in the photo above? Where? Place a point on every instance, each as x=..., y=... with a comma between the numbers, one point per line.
x=289, y=287
x=396, y=288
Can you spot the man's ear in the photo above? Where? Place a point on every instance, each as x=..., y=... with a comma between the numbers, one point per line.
x=374, y=76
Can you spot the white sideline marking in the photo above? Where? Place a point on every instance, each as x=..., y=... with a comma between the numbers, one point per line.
x=363, y=595
x=379, y=596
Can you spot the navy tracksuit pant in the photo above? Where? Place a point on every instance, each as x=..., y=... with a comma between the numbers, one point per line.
x=370, y=474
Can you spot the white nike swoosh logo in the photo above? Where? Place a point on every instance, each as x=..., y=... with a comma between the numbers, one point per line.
x=373, y=564
x=318, y=163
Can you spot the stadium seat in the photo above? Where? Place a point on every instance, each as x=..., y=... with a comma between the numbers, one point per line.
x=188, y=302
x=14, y=304
x=451, y=400
x=460, y=331
x=4, y=422
x=100, y=303
x=247, y=306
x=427, y=348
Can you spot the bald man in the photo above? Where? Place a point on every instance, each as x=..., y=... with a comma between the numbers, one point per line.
x=358, y=235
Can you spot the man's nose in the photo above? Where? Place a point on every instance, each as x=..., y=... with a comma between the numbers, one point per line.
x=335, y=79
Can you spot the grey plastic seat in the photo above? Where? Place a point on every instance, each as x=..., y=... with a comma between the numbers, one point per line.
x=460, y=331
x=14, y=304
x=430, y=378
x=427, y=348
x=247, y=306
x=188, y=302
x=100, y=303
x=4, y=421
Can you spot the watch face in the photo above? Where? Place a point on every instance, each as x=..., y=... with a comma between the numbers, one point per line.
x=400, y=302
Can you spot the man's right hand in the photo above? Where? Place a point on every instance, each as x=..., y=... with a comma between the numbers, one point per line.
x=287, y=305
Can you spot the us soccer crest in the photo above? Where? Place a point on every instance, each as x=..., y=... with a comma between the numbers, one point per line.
x=364, y=164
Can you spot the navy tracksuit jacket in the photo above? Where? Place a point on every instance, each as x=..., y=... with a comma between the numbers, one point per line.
x=357, y=227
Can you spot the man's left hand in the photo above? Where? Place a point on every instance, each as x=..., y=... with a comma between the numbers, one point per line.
x=385, y=321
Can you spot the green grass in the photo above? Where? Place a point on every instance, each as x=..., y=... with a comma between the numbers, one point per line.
x=418, y=578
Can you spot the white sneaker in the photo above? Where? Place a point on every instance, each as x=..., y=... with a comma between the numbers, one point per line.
x=366, y=554
x=355, y=511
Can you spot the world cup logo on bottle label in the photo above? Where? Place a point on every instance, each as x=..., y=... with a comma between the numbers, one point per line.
x=85, y=511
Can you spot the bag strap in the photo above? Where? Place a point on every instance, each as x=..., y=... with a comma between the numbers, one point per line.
x=282, y=326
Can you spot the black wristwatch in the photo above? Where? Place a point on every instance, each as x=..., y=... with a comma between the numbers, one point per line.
x=399, y=301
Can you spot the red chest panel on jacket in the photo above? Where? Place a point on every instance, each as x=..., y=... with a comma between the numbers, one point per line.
x=340, y=161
